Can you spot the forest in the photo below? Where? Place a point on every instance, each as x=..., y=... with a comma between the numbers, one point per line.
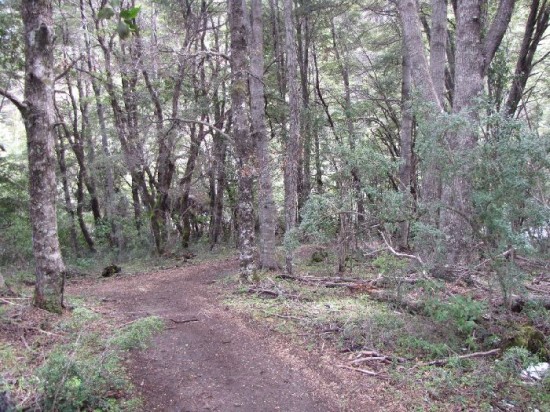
x=376, y=173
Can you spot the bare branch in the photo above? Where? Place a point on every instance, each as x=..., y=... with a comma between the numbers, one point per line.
x=18, y=103
x=69, y=67
x=396, y=253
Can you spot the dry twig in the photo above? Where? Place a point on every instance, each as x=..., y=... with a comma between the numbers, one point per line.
x=398, y=254
x=441, y=362
x=360, y=370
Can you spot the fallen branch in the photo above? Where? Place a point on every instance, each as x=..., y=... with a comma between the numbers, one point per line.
x=264, y=292
x=503, y=254
x=441, y=362
x=273, y=294
x=289, y=317
x=369, y=359
x=364, y=371
x=184, y=320
x=331, y=282
x=45, y=332
x=365, y=356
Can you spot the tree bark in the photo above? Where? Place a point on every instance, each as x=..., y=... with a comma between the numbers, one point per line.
x=457, y=192
x=412, y=37
x=535, y=27
x=60, y=150
x=244, y=144
x=292, y=149
x=38, y=117
x=438, y=46
x=266, y=205
x=405, y=143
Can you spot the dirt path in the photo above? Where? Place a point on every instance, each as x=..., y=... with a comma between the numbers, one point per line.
x=209, y=359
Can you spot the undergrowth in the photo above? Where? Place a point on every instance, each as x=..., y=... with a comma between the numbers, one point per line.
x=450, y=325
x=79, y=368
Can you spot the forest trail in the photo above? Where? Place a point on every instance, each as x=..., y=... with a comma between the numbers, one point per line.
x=208, y=359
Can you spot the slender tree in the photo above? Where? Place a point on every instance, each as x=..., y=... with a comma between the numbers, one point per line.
x=244, y=144
x=266, y=205
x=292, y=150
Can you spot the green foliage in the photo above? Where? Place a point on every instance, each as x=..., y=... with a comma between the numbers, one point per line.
x=516, y=359
x=459, y=311
x=511, y=174
x=423, y=347
x=138, y=334
x=15, y=229
x=320, y=217
x=389, y=264
x=105, y=13
x=87, y=374
x=76, y=378
x=127, y=24
x=11, y=42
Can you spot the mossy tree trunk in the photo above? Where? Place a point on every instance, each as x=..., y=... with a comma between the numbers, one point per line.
x=38, y=115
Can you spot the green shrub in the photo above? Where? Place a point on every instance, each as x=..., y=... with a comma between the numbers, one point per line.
x=515, y=359
x=461, y=312
x=74, y=378
x=87, y=373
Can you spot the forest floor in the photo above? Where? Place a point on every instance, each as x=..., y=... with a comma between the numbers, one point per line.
x=313, y=342
x=209, y=358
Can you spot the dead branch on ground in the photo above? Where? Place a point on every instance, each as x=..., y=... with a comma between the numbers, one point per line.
x=441, y=362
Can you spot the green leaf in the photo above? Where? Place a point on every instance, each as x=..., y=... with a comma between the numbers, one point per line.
x=133, y=27
x=130, y=13
x=105, y=13
x=123, y=30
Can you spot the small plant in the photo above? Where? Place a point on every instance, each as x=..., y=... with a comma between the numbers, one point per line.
x=75, y=378
x=459, y=311
x=393, y=270
x=138, y=334
x=515, y=359
x=86, y=374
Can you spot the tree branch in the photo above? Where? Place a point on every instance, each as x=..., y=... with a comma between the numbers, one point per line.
x=396, y=253
x=18, y=103
x=496, y=31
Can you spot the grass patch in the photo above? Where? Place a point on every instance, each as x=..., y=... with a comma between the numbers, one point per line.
x=69, y=363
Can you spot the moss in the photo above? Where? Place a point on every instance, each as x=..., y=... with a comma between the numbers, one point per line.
x=529, y=338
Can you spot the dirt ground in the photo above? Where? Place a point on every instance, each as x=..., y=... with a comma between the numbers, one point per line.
x=209, y=359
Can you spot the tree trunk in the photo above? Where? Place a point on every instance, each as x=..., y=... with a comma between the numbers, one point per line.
x=457, y=193
x=38, y=116
x=185, y=185
x=115, y=237
x=80, y=211
x=244, y=144
x=60, y=149
x=267, y=211
x=292, y=149
x=431, y=187
x=412, y=37
x=405, y=143
x=304, y=166
x=535, y=27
